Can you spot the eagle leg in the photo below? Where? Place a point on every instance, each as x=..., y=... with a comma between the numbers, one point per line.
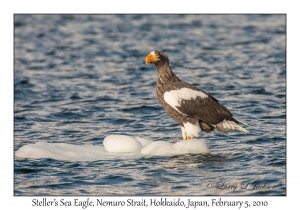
x=185, y=137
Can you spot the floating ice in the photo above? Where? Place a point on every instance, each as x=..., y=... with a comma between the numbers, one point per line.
x=182, y=147
x=143, y=141
x=121, y=143
x=61, y=151
x=115, y=147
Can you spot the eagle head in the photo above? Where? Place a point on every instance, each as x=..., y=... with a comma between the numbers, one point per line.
x=156, y=57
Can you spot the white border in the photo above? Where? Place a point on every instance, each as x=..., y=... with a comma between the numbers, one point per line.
x=8, y=8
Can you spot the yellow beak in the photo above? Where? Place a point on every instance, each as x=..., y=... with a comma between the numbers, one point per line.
x=151, y=58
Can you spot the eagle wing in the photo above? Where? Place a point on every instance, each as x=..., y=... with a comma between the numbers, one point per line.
x=191, y=101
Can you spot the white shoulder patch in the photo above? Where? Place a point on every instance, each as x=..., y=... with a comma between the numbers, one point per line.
x=175, y=97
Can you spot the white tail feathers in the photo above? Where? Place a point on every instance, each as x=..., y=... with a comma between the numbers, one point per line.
x=242, y=122
x=227, y=126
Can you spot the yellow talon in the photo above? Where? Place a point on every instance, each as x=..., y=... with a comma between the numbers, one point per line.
x=187, y=138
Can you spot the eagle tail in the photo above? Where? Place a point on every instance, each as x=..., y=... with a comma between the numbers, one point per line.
x=239, y=121
x=227, y=126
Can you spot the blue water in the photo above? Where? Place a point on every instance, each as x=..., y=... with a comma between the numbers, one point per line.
x=80, y=78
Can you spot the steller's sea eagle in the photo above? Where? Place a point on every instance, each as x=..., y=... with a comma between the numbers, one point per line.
x=193, y=108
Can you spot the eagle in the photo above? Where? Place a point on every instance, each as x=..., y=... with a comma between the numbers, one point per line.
x=193, y=108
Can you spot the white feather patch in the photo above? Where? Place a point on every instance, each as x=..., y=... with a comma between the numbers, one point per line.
x=175, y=97
x=183, y=132
x=192, y=130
